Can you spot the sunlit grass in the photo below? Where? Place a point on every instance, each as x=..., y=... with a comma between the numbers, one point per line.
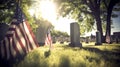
x=64, y=56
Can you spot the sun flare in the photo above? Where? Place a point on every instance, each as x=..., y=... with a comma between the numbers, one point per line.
x=48, y=10
x=45, y=9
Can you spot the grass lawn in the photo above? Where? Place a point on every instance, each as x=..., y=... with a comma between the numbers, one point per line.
x=106, y=55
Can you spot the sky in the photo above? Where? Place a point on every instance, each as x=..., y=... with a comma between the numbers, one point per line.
x=63, y=24
x=48, y=11
x=116, y=23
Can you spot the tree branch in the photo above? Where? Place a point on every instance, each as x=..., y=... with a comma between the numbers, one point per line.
x=84, y=1
x=87, y=12
x=98, y=2
x=104, y=1
x=91, y=5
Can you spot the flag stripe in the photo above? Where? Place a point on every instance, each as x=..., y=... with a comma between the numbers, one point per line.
x=19, y=39
x=5, y=42
x=14, y=46
x=12, y=50
x=7, y=48
x=48, y=40
x=25, y=37
x=2, y=50
x=18, y=46
x=11, y=30
x=30, y=37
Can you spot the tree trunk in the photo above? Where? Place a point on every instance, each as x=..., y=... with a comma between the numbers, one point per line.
x=109, y=12
x=98, y=20
x=108, y=24
x=99, y=26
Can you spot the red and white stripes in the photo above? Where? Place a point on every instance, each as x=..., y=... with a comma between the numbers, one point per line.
x=19, y=40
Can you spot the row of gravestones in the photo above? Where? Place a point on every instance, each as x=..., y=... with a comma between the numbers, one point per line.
x=75, y=36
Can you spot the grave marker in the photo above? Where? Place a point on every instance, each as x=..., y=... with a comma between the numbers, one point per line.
x=98, y=38
x=75, y=35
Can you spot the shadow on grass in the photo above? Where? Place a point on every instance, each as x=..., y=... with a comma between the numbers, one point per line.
x=111, y=56
x=9, y=63
x=47, y=53
x=35, y=59
x=64, y=46
x=64, y=61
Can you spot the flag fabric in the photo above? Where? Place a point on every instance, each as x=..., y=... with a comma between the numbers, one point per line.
x=48, y=39
x=107, y=38
x=19, y=39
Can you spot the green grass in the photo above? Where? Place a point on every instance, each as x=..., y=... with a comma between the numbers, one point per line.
x=64, y=56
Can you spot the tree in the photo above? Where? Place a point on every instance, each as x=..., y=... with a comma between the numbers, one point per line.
x=109, y=5
x=83, y=10
x=57, y=33
x=73, y=9
x=42, y=29
x=7, y=9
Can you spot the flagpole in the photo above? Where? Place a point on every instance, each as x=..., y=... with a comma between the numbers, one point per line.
x=18, y=2
x=50, y=39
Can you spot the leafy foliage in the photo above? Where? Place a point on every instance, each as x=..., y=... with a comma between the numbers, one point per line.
x=5, y=15
x=86, y=12
x=7, y=9
x=82, y=12
x=109, y=8
x=59, y=33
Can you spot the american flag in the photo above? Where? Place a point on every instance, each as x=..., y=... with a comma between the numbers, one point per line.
x=48, y=39
x=19, y=39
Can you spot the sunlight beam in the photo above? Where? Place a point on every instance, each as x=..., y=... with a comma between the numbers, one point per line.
x=48, y=10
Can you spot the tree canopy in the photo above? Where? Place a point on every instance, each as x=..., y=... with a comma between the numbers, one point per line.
x=89, y=12
x=86, y=12
x=57, y=33
x=78, y=11
x=109, y=4
x=7, y=10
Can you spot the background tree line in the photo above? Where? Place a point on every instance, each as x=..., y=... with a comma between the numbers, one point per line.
x=86, y=12
x=89, y=13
